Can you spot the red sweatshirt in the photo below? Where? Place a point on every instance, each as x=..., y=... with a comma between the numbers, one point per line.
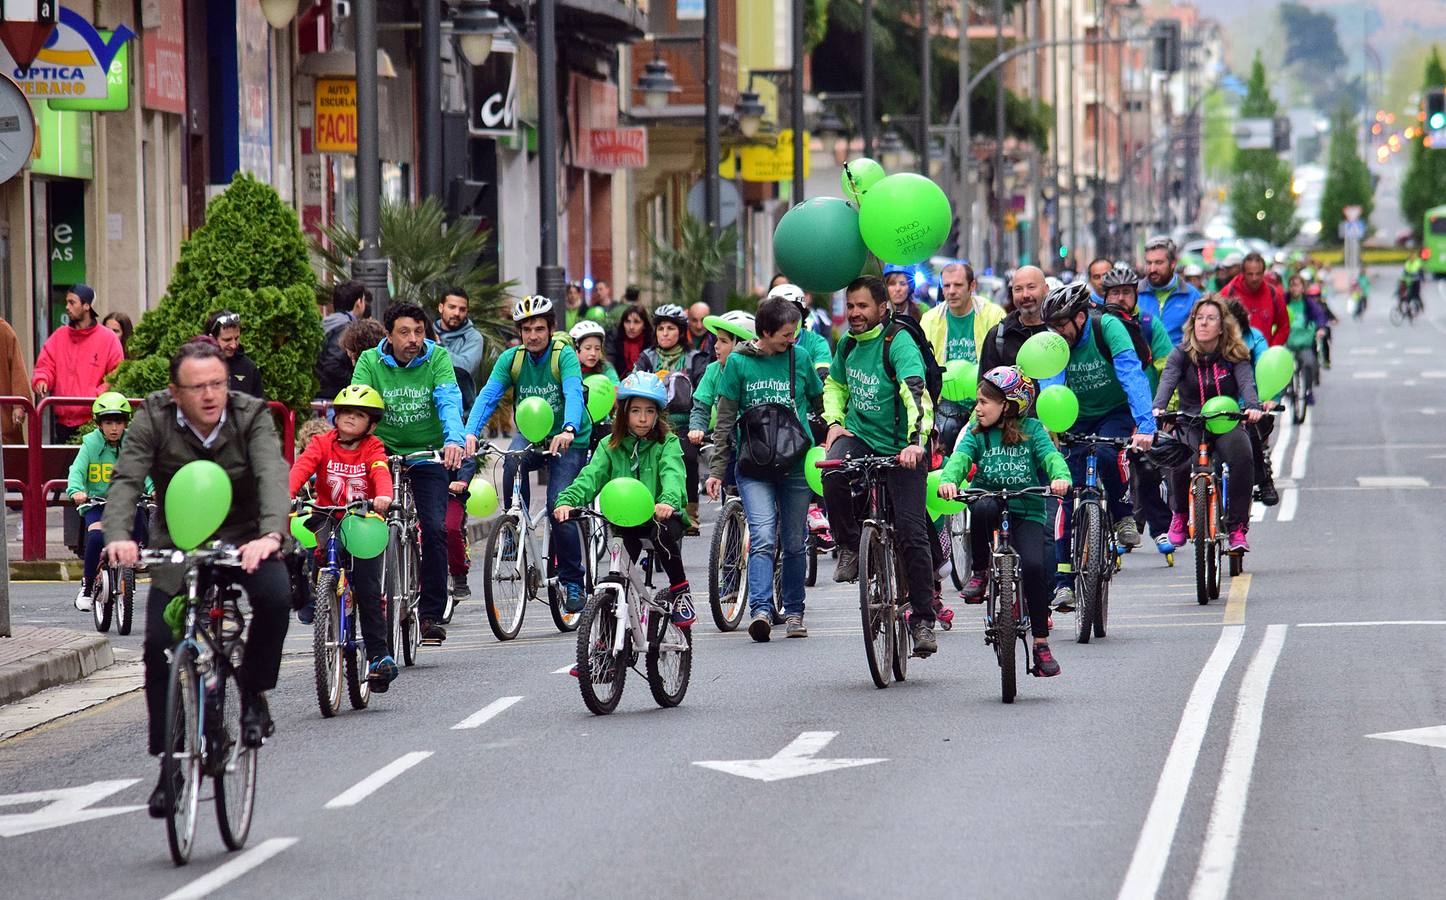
x=342, y=475
x=75, y=362
x=1266, y=307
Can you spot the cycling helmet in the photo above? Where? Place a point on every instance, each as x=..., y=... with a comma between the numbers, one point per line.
x=892, y=269
x=646, y=385
x=530, y=307
x=585, y=329
x=1120, y=275
x=671, y=312
x=361, y=397
x=1193, y=270
x=1013, y=385
x=1066, y=302
x=1169, y=452
x=111, y=403
x=1233, y=259
x=790, y=292
x=736, y=322
x=1307, y=274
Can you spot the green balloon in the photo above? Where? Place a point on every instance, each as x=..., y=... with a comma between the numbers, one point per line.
x=534, y=419
x=1273, y=371
x=1043, y=355
x=961, y=380
x=817, y=245
x=304, y=536
x=858, y=176
x=364, y=537
x=1057, y=407
x=935, y=505
x=1213, y=408
x=811, y=472
x=597, y=314
x=601, y=392
x=905, y=219
x=198, y=499
x=626, y=502
x=481, y=498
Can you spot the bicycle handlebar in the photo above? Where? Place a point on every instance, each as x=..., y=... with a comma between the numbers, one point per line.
x=1081, y=440
x=969, y=495
x=859, y=462
x=357, y=506
x=487, y=447
x=416, y=456
x=215, y=555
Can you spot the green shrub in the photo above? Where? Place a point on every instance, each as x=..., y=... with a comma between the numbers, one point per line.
x=250, y=258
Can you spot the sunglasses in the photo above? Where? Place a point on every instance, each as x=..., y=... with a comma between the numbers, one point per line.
x=230, y=320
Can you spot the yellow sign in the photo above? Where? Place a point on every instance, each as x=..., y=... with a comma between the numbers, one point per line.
x=335, y=130
x=763, y=163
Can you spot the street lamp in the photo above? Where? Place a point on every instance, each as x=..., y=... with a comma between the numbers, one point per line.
x=750, y=112
x=475, y=25
x=829, y=126
x=278, y=13
x=890, y=147
x=656, y=84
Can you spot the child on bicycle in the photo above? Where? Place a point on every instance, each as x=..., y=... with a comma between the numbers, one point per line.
x=1010, y=452
x=589, y=339
x=1315, y=293
x=89, y=479
x=1307, y=323
x=350, y=464
x=641, y=447
x=728, y=329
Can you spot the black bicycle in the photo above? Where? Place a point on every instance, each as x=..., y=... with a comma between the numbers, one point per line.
x=1093, y=552
x=113, y=590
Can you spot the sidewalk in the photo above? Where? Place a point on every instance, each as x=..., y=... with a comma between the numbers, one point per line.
x=37, y=658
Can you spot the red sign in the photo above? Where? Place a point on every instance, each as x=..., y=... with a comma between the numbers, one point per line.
x=619, y=148
x=163, y=50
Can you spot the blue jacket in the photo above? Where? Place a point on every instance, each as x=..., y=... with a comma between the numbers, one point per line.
x=1130, y=373
x=1170, y=305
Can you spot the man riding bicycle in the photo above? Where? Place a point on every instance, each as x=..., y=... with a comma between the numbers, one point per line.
x=197, y=417
x=877, y=404
x=548, y=368
x=415, y=377
x=956, y=329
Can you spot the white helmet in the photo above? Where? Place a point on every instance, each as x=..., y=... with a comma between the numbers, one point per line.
x=530, y=307
x=671, y=312
x=736, y=322
x=790, y=292
x=585, y=329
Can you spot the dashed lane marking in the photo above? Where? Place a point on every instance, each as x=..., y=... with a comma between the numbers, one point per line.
x=486, y=713
x=1235, y=605
x=376, y=780
x=228, y=872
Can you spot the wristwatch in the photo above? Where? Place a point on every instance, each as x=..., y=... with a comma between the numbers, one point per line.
x=569, y=429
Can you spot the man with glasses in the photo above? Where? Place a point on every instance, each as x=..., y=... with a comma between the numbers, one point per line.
x=1163, y=294
x=198, y=417
x=224, y=326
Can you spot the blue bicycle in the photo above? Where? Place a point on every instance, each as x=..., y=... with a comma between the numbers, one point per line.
x=1093, y=551
x=337, y=648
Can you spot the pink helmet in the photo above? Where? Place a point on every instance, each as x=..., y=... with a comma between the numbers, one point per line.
x=1013, y=385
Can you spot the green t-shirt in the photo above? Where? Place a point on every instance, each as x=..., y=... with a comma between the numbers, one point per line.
x=1091, y=375
x=750, y=379
x=1302, y=329
x=814, y=346
x=961, y=338
x=879, y=411
x=535, y=380
x=1008, y=466
x=703, y=415
x=411, y=423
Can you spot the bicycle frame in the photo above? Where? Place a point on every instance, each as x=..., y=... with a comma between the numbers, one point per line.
x=630, y=616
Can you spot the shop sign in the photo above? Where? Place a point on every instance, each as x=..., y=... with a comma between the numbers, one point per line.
x=762, y=163
x=335, y=105
x=618, y=148
x=163, y=53
x=74, y=63
x=119, y=80
x=494, y=93
x=64, y=142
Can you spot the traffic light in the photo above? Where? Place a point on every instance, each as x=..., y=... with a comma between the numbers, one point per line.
x=1436, y=115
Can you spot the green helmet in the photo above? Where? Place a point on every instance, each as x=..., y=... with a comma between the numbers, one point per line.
x=362, y=397
x=111, y=403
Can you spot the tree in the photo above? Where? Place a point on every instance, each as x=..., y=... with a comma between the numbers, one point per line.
x=1425, y=183
x=250, y=258
x=1262, y=202
x=682, y=271
x=1311, y=39
x=1348, y=178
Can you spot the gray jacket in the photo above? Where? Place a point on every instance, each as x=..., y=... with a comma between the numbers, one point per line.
x=1217, y=376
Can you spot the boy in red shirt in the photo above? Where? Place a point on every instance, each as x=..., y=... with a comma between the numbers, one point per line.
x=350, y=464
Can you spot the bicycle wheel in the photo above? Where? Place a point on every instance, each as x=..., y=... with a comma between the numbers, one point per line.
x=125, y=601
x=1398, y=315
x=1090, y=562
x=600, y=675
x=1298, y=390
x=778, y=617
x=903, y=644
x=728, y=567
x=233, y=766
x=810, y=573
x=326, y=648
x=958, y=525
x=358, y=689
x=1004, y=628
x=181, y=764
x=392, y=595
x=670, y=656
x=505, y=580
x=100, y=599
x=589, y=539
x=412, y=623
x=1204, y=540
x=876, y=605
x=1102, y=611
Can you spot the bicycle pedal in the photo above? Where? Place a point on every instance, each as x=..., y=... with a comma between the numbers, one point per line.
x=431, y=642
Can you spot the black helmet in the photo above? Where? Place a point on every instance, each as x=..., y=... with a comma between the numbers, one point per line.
x=1120, y=275
x=1169, y=452
x=1066, y=301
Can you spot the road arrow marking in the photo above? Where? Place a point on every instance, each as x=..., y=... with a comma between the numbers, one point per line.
x=66, y=806
x=1435, y=736
x=792, y=761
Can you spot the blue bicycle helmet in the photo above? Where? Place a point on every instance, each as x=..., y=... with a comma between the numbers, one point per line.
x=646, y=385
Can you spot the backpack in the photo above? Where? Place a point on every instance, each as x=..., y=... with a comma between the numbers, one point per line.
x=771, y=439
x=933, y=372
x=560, y=341
x=333, y=366
x=679, y=382
x=1133, y=326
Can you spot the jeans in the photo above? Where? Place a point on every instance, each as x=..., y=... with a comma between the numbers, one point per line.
x=269, y=592
x=561, y=470
x=1118, y=423
x=777, y=516
x=1028, y=541
x=429, y=491
x=95, y=539
x=1233, y=448
x=1306, y=362
x=911, y=523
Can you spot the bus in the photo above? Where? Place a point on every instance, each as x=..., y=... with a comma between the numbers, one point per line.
x=1433, y=241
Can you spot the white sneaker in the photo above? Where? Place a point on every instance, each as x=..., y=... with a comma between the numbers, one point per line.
x=817, y=521
x=82, y=600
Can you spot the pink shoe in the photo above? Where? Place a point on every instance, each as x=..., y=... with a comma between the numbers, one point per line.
x=1177, y=534
x=1238, y=542
x=817, y=521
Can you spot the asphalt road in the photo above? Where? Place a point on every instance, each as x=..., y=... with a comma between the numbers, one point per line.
x=1195, y=751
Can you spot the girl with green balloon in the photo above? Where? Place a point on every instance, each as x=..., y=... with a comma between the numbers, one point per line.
x=728, y=330
x=638, y=475
x=599, y=378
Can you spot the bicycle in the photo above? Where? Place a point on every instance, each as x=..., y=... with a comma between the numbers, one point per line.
x=1006, y=615
x=338, y=652
x=1207, y=509
x=728, y=566
x=1301, y=383
x=1408, y=307
x=113, y=591
x=203, y=697
x=957, y=530
x=402, y=561
x=1093, y=551
x=620, y=622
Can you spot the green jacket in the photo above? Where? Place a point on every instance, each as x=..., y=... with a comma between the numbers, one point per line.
x=704, y=396
x=93, y=466
x=1007, y=466
x=862, y=401
x=657, y=464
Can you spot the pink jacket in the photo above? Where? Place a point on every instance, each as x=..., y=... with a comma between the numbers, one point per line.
x=75, y=363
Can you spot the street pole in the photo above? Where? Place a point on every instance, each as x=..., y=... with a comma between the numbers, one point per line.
x=713, y=292
x=549, y=273
x=926, y=87
x=369, y=267
x=998, y=260
x=1073, y=239
x=429, y=87
x=796, y=103
x=1035, y=187
x=1122, y=120
x=966, y=200
x=867, y=126
x=5, y=555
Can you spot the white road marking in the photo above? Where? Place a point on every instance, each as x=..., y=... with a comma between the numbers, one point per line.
x=1302, y=448
x=486, y=713
x=373, y=782
x=1364, y=351
x=1374, y=622
x=1391, y=481
x=1420, y=351
x=1222, y=834
x=798, y=758
x=1434, y=736
x=1289, y=498
x=1370, y=375
x=65, y=806
x=1427, y=411
x=1152, y=851
x=228, y=872
x=1257, y=513
x=564, y=670
x=1282, y=442
x=1436, y=373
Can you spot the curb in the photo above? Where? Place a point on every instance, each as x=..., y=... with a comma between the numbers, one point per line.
x=71, y=661
x=45, y=570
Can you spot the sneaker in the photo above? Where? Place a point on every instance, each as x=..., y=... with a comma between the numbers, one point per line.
x=1238, y=542
x=460, y=590
x=82, y=600
x=817, y=521
x=1164, y=545
x=761, y=627
x=1177, y=534
x=1044, y=664
x=924, y=642
x=795, y=627
x=1310, y=398
x=848, y=566
x=1267, y=494
x=572, y=597
x=307, y=614
x=683, y=613
x=976, y=588
x=1127, y=533
x=256, y=723
x=156, y=805
x=381, y=673
x=945, y=615
x=1064, y=599
x=433, y=632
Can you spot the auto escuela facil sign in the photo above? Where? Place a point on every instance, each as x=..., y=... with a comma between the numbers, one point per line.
x=74, y=62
